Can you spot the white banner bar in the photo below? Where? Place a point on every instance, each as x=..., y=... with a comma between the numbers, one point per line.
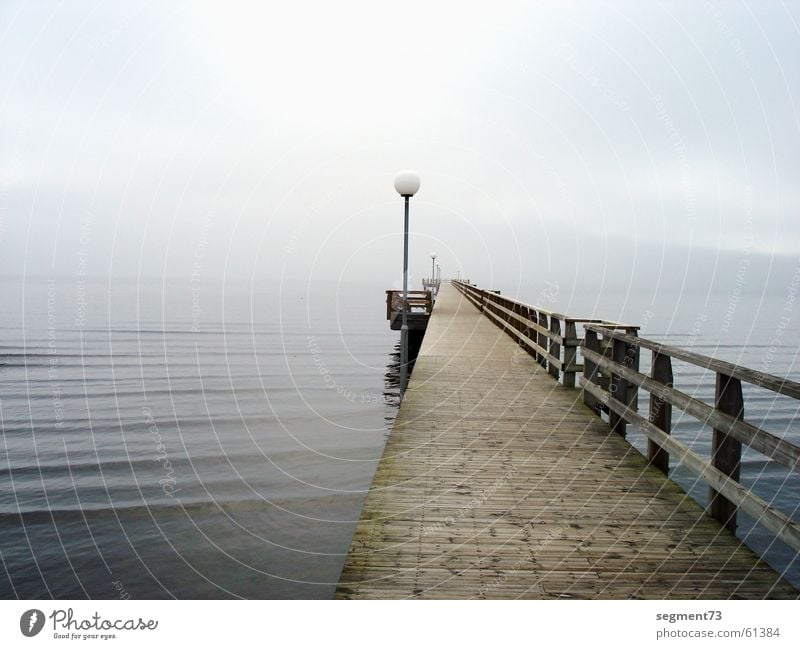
x=385, y=625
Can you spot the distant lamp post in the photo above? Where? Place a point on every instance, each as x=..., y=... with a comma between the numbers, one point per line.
x=433, y=261
x=438, y=276
x=407, y=184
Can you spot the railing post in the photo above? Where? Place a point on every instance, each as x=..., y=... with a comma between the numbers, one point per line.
x=591, y=343
x=570, y=353
x=554, y=348
x=525, y=312
x=618, y=386
x=626, y=355
x=726, y=452
x=660, y=411
x=533, y=316
x=633, y=355
x=516, y=308
x=541, y=338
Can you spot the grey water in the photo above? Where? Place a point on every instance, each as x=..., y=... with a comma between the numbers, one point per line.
x=172, y=440
x=217, y=441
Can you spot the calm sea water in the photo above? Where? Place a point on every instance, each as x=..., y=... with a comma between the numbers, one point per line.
x=185, y=441
x=217, y=441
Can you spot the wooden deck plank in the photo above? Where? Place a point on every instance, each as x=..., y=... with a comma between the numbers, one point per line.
x=497, y=482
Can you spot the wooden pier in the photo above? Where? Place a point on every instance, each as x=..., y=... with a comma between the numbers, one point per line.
x=499, y=481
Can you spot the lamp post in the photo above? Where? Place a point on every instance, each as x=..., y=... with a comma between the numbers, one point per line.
x=438, y=276
x=407, y=184
x=433, y=272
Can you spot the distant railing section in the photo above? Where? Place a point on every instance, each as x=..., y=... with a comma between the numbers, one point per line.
x=418, y=302
x=611, y=382
x=431, y=284
x=550, y=337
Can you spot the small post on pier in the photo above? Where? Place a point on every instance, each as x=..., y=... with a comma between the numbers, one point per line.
x=726, y=452
x=570, y=352
x=660, y=411
x=590, y=370
x=627, y=355
x=541, y=339
x=554, y=348
x=406, y=183
x=618, y=386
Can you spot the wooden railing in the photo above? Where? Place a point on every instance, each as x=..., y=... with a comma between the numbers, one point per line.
x=418, y=302
x=430, y=284
x=550, y=337
x=611, y=382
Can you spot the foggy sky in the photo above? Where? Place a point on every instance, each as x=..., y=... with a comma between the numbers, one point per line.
x=585, y=142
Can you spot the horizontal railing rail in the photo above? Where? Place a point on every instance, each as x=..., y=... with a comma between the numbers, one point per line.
x=611, y=382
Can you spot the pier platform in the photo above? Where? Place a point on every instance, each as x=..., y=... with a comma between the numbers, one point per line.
x=497, y=481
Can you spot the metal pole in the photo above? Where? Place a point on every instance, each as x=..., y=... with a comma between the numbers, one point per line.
x=433, y=272
x=404, y=326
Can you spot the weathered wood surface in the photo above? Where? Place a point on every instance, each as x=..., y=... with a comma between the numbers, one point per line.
x=496, y=482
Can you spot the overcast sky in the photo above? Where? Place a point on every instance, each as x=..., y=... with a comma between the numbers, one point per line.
x=568, y=140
